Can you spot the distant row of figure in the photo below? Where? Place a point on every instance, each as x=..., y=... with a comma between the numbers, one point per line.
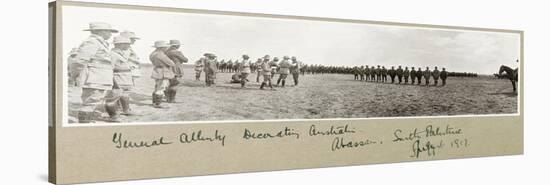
x=380, y=74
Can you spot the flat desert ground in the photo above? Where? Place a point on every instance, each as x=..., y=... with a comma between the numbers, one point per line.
x=319, y=96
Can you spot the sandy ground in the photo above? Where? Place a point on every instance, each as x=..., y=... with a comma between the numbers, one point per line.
x=317, y=96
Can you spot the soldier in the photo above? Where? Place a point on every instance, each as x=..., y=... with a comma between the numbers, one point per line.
x=198, y=69
x=122, y=73
x=266, y=71
x=419, y=75
x=222, y=66
x=435, y=75
x=392, y=73
x=284, y=70
x=229, y=66
x=367, y=73
x=295, y=70
x=178, y=58
x=443, y=77
x=378, y=74
x=210, y=68
x=274, y=65
x=134, y=59
x=372, y=73
x=75, y=69
x=406, y=75
x=427, y=73
x=384, y=73
x=94, y=54
x=258, y=69
x=245, y=70
x=413, y=75
x=399, y=72
x=362, y=73
x=162, y=71
x=355, y=73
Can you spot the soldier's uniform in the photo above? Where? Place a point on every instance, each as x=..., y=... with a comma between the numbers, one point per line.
x=94, y=54
x=245, y=70
x=258, y=69
x=274, y=65
x=198, y=69
x=413, y=75
x=384, y=72
x=443, y=77
x=266, y=72
x=406, y=75
x=356, y=73
x=133, y=57
x=372, y=73
x=378, y=74
x=435, y=75
x=178, y=58
x=399, y=72
x=427, y=73
x=122, y=73
x=367, y=73
x=295, y=70
x=210, y=68
x=362, y=73
x=419, y=75
x=392, y=74
x=284, y=70
x=162, y=71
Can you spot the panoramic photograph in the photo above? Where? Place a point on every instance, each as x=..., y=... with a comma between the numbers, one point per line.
x=154, y=67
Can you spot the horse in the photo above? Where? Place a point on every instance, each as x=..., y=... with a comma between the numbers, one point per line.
x=511, y=74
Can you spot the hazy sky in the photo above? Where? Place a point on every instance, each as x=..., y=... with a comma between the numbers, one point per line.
x=313, y=42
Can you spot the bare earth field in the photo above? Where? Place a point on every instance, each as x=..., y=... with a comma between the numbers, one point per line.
x=316, y=97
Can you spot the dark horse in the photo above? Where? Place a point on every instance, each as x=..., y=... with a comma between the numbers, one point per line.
x=511, y=74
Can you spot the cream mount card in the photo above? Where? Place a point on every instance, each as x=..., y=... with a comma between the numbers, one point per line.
x=142, y=92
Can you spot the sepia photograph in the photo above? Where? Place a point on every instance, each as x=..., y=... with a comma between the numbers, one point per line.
x=151, y=67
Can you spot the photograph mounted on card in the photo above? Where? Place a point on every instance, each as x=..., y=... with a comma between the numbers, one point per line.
x=148, y=92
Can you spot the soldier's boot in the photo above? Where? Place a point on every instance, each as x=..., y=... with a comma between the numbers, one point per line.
x=284, y=83
x=125, y=102
x=173, y=96
x=262, y=86
x=157, y=99
x=270, y=86
x=278, y=81
x=111, y=109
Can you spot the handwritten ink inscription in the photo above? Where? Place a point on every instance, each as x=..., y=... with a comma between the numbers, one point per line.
x=428, y=141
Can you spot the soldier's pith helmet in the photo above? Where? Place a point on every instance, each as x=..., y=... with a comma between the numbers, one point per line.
x=161, y=44
x=121, y=40
x=175, y=43
x=100, y=26
x=129, y=34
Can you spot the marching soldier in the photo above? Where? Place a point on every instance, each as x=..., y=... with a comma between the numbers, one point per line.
x=419, y=75
x=392, y=74
x=162, y=71
x=284, y=70
x=122, y=73
x=266, y=71
x=178, y=58
x=406, y=75
x=295, y=70
x=443, y=77
x=75, y=69
x=198, y=69
x=427, y=73
x=245, y=70
x=399, y=72
x=435, y=75
x=94, y=54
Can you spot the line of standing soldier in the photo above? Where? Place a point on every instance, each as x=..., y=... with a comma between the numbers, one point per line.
x=107, y=76
x=380, y=74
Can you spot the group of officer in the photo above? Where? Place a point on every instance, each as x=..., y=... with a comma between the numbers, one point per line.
x=107, y=74
x=380, y=74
